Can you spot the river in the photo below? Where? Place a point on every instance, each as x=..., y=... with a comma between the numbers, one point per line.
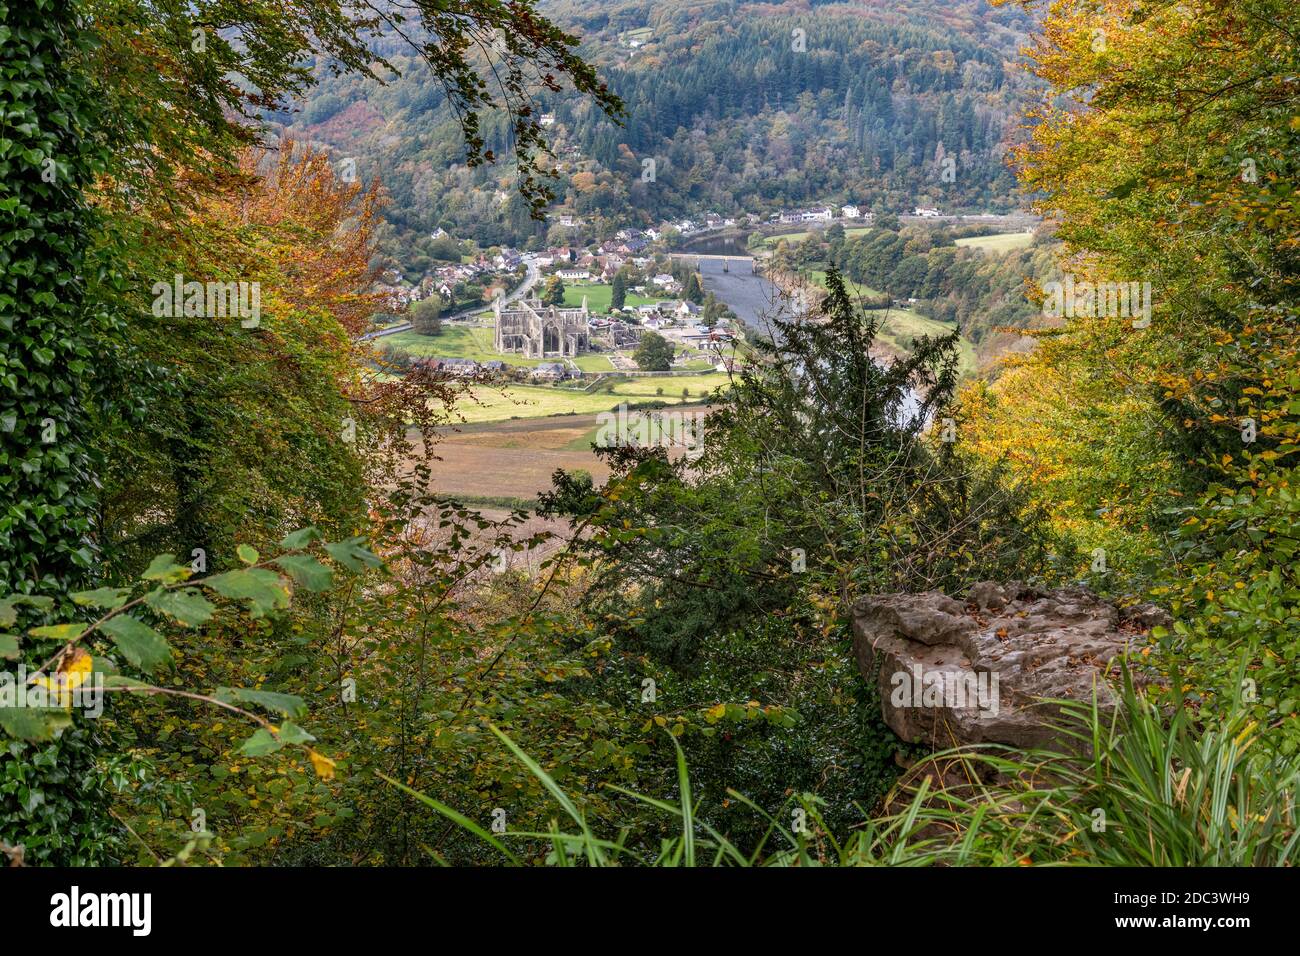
x=752, y=297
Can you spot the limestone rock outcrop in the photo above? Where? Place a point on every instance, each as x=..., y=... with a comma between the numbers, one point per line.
x=982, y=670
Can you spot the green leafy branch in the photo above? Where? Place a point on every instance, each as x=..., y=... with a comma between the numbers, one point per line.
x=261, y=586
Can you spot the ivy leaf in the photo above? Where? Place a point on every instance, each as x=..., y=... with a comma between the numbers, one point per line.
x=262, y=742
x=108, y=598
x=247, y=554
x=306, y=571
x=165, y=569
x=288, y=705
x=297, y=540
x=187, y=606
x=352, y=554
x=264, y=590
x=34, y=724
x=139, y=643
x=9, y=606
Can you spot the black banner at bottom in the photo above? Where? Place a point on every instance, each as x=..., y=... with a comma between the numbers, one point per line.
x=133, y=907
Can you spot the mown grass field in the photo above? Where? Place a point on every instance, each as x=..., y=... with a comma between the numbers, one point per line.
x=855, y=289
x=599, y=295
x=592, y=362
x=1002, y=242
x=493, y=404
x=796, y=237
x=455, y=341
x=900, y=326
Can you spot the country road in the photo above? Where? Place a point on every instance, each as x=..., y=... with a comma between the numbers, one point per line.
x=530, y=280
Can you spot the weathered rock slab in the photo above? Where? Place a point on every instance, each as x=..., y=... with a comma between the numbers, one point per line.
x=982, y=670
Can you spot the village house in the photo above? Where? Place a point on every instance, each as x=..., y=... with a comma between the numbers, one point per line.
x=926, y=213
x=574, y=274
x=850, y=211
x=458, y=367
x=550, y=372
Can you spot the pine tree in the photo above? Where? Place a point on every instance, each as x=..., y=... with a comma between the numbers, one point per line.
x=618, y=294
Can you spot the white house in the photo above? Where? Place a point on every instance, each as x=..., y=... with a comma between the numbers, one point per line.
x=664, y=280
x=579, y=274
x=926, y=213
x=820, y=214
x=850, y=211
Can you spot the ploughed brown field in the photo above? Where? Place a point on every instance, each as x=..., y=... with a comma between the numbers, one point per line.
x=516, y=458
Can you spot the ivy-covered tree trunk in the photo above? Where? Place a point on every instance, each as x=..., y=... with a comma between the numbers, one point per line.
x=52, y=799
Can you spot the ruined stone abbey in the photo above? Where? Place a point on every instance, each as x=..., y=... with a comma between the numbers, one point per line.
x=541, y=331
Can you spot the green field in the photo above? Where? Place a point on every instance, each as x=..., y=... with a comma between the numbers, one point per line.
x=900, y=326
x=540, y=401
x=598, y=296
x=643, y=389
x=796, y=237
x=591, y=362
x=855, y=289
x=1002, y=242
